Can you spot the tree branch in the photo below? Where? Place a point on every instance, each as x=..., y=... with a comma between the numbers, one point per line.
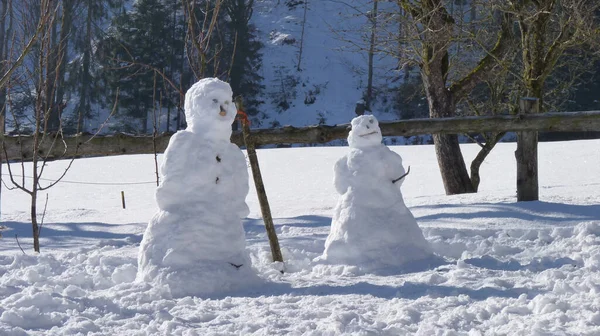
x=27, y=49
x=502, y=47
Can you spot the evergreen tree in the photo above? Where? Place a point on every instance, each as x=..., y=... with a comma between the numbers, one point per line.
x=243, y=53
x=138, y=49
x=83, y=69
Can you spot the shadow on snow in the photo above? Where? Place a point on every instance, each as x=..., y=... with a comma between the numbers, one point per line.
x=408, y=290
x=536, y=265
x=65, y=235
x=256, y=225
x=306, y=233
x=538, y=211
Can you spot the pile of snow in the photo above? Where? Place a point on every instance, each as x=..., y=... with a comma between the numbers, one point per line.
x=552, y=289
x=372, y=226
x=196, y=244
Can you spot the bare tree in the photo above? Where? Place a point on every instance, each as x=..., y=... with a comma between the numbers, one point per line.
x=8, y=68
x=550, y=28
x=39, y=74
x=455, y=46
x=201, y=27
x=433, y=40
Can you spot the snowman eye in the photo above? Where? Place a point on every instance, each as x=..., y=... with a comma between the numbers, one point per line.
x=371, y=121
x=215, y=100
x=226, y=102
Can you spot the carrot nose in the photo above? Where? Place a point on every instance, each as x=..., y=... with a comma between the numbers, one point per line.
x=223, y=112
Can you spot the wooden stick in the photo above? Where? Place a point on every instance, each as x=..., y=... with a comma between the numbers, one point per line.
x=17, y=239
x=260, y=188
x=401, y=177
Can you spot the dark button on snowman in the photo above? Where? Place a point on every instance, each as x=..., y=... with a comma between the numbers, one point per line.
x=371, y=227
x=195, y=244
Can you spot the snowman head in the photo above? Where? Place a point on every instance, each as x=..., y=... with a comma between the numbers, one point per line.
x=209, y=108
x=365, y=132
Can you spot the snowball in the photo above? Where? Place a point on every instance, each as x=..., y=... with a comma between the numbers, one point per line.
x=196, y=244
x=371, y=226
x=365, y=132
x=209, y=109
x=124, y=273
x=74, y=291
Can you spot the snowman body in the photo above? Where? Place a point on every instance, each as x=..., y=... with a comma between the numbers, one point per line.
x=371, y=226
x=195, y=244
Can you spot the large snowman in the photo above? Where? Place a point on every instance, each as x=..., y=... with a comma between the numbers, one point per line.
x=372, y=228
x=195, y=244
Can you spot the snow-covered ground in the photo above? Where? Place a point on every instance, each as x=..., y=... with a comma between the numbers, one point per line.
x=512, y=268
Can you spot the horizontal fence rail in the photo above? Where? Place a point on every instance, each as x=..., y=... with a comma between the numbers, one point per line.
x=20, y=147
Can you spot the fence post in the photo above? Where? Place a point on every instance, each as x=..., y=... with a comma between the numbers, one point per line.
x=527, y=155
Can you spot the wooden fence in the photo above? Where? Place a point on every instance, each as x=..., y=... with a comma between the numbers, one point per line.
x=526, y=124
x=19, y=147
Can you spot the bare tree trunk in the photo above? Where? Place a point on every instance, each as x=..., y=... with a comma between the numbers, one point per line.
x=441, y=100
x=34, y=224
x=181, y=99
x=452, y=165
x=84, y=89
x=3, y=36
x=486, y=149
x=155, y=129
x=302, y=35
x=373, y=19
x=62, y=52
x=172, y=65
x=48, y=87
x=3, y=56
x=35, y=177
x=442, y=105
x=145, y=122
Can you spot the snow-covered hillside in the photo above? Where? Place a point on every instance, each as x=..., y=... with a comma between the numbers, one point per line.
x=333, y=66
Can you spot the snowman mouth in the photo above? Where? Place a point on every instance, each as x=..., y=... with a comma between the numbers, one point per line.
x=367, y=134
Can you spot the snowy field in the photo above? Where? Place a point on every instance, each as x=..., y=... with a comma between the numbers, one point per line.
x=512, y=268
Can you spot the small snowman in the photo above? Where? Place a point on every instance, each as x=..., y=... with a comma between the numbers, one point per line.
x=372, y=228
x=195, y=244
